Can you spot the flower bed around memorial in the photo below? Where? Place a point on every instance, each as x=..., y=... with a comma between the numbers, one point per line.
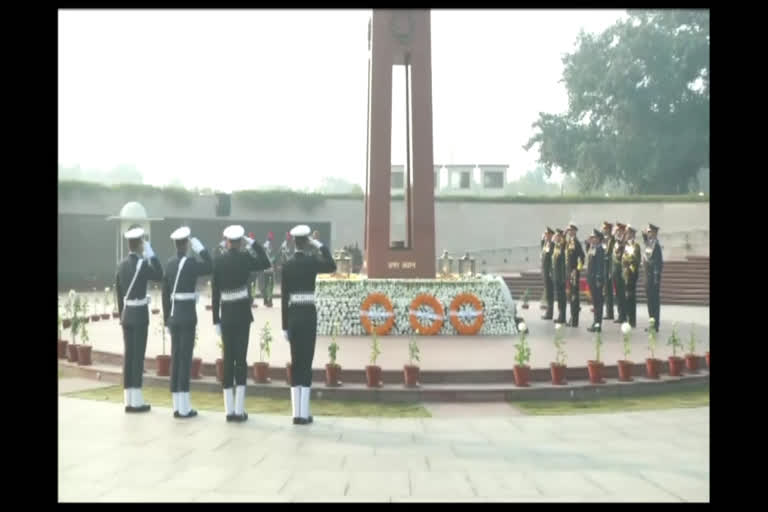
x=352, y=303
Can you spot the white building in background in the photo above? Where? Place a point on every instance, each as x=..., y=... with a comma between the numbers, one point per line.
x=460, y=180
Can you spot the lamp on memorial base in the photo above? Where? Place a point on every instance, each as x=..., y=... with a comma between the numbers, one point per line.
x=467, y=265
x=445, y=264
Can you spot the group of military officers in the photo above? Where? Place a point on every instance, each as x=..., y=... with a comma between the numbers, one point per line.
x=238, y=258
x=613, y=259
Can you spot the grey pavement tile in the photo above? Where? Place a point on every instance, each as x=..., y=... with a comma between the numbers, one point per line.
x=386, y=463
x=245, y=497
x=443, y=483
x=560, y=483
x=376, y=484
x=255, y=479
x=149, y=495
x=205, y=476
x=316, y=483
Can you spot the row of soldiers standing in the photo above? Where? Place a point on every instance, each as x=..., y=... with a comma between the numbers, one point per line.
x=613, y=259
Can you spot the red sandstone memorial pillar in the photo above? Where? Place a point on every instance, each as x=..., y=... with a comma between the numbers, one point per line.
x=397, y=38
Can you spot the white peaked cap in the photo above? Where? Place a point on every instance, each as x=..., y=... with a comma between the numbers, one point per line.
x=134, y=233
x=234, y=232
x=301, y=230
x=181, y=233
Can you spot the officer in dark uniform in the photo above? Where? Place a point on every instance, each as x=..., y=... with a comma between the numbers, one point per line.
x=596, y=278
x=180, y=313
x=574, y=262
x=300, y=316
x=559, y=274
x=616, y=269
x=267, y=278
x=630, y=263
x=547, y=246
x=608, y=243
x=654, y=263
x=141, y=265
x=231, y=273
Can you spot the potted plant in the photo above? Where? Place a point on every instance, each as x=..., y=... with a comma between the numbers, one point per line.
x=625, y=365
x=595, y=368
x=333, y=370
x=96, y=316
x=706, y=356
x=197, y=363
x=163, y=360
x=220, y=362
x=373, y=372
x=84, y=307
x=558, y=367
x=521, y=370
x=66, y=322
x=691, y=359
x=652, y=364
x=675, y=362
x=62, y=345
x=84, y=349
x=105, y=314
x=411, y=370
x=525, y=299
x=261, y=369
x=75, y=306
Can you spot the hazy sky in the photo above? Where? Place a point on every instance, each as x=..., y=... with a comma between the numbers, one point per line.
x=237, y=99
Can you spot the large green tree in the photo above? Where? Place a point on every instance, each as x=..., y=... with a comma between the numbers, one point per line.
x=638, y=105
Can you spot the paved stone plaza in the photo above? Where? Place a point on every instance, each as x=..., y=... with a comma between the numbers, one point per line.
x=437, y=352
x=642, y=456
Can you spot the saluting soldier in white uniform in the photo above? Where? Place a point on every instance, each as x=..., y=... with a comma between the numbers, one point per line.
x=231, y=274
x=141, y=265
x=180, y=313
x=300, y=316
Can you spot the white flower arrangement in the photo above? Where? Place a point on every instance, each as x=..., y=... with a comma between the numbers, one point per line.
x=339, y=301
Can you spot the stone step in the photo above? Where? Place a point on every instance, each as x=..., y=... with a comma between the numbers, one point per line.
x=396, y=392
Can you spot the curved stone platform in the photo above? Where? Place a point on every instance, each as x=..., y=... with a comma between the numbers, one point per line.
x=577, y=388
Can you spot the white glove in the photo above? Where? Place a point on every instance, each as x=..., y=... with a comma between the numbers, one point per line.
x=223, y=244
x=148, y=252
x=218, y=329
x=248, y=241
x=285, y=335
x=168, y=331
x=196, y=245
x=315, y=243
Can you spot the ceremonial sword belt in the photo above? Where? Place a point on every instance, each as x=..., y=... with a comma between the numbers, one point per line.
x=137, y=302
x=234, y=295
x=299, y=299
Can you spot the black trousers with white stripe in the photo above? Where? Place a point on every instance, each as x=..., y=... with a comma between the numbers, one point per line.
x=134, y=349
x=302, y=333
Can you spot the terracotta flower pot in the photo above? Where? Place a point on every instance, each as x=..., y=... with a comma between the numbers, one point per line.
x=115, y=315
x=66, y=323
x=525, y=306
x=194, y=372
x=522, y=376
x=652, y=368
x=411, y=375
x=692, y=363
x=86, y=319
x=675, y=366
x=155, y=311
x=707, y=357
x=163, y=365
x=220, y=370
x=625, y=371
x=95, y=318
x=332, y=375
x=558, y=374
x=261, y=372
x=84, y=355
x=105, y=316
x=595, y=369
x=373, y=376
x=288, y=373
x=63, y=349
x=72, y=353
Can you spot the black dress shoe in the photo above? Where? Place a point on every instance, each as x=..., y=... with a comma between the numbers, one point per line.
x=231, y=417
x=141, y=408
x=191, y=414
x=300, y=421
x=239, y=418
x=310, y=419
